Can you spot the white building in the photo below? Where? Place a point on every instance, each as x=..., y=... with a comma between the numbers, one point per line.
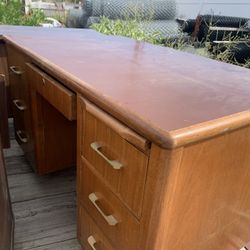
x=191, y=8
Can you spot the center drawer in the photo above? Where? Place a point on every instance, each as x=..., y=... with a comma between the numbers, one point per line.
x=63, y=99
x=113, y=151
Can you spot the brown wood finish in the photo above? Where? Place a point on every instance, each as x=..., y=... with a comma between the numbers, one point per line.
x=6, y=216
x=55, y=93
x=16, y=67
x=199, y=132
x=123, y=131
x=80, y=118
x=4, y=72
x=21, y=104
x=88, y=229
x=128, y=182
x=55, y=136
x=205, y=195
x=183, y=135
x=4, y=129
x=159, y=182
x=134, y=89
x=124, y=234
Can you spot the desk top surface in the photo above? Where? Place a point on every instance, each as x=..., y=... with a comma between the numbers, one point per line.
x=160, y=92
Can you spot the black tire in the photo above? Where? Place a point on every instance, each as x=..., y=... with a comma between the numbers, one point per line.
x=77, y=18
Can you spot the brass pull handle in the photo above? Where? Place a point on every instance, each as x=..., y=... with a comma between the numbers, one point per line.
x=43, y=80
x=92, y=242
x=19, y=104
x=114, y=163
x=21, y=136
x=110, y=219
x=16, y=70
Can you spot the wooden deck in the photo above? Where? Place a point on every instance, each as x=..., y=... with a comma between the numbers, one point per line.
x=44, y=207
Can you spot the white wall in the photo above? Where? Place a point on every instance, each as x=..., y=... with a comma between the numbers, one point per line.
x=191, y=8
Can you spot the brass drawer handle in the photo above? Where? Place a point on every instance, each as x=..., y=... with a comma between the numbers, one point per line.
x=92, y=242
x=114, y=163
x=16, y=70
x=110, y=219
x=21, y=136
x=43, y=80
x=19, y=104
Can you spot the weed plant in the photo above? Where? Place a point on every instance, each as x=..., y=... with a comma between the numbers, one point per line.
x=11, y=12
x=128, y=28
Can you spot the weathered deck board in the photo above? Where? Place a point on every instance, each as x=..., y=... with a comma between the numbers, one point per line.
x=29, y=186
x=51, y=236
x=14, y=150
x=44, y=206
x=64, y=245
x=17, y=165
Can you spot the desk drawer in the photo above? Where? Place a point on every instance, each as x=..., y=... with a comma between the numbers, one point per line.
x=23, y=132
x=90, y=235
x=121, y=165
x=20, y=100
x=19, y=122
x=18, y=85
x=107, y=211
x=55, y=93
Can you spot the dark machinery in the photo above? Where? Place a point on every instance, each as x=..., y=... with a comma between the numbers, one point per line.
x=223, y=33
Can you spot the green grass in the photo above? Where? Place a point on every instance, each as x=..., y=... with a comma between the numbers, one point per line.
x=11, y=13
x=129, y=28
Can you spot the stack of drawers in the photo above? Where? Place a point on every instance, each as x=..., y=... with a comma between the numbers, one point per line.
x=112, y=168
x=20, y=101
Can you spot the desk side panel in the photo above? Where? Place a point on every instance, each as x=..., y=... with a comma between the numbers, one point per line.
x=206, y=202
x=4, y=72
x=4, y=129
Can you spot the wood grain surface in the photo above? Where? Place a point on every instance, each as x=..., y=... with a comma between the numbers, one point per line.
x=55, y=93
x=20, y=100
x=4, y=72
x=4, y=129
x=125, y=233
x=203, y=194
x=55, y=136
x=154, y=90
x=129, y=181
x=89, y=228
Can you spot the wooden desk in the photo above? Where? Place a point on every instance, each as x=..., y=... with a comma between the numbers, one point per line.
x=162, y=141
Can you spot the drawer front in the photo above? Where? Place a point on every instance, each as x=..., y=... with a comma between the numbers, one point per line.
x=18, y=86
x=20, y=131
x=91, y=237
x=107, y=211
x=55, y=93
x=23, y=132
x=20, y=100
x=122, y=166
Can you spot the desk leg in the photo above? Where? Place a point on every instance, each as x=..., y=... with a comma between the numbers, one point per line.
x=4, y=130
